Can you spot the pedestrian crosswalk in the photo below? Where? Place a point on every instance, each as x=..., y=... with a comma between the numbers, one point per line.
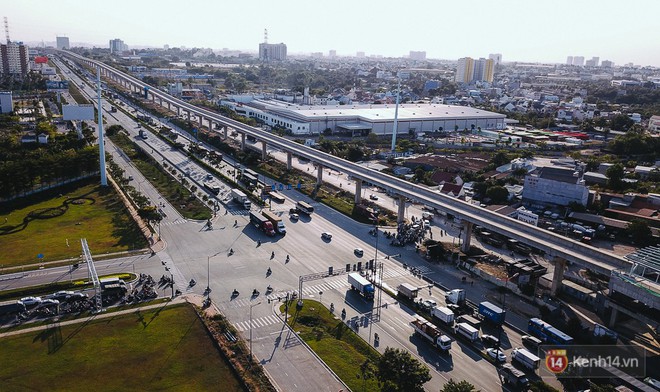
x=259, y=322
x=173, y=223
x=240, y=211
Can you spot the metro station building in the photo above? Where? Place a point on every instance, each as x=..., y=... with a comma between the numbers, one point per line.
x=361, y=120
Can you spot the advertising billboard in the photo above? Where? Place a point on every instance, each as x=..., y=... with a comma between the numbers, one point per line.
x=78, y=112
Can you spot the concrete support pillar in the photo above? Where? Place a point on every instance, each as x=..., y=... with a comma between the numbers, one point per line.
x=558, y=275
x=466, y=235
x=201, y=121
x=401, y=215
x=153, y=98
x=264, y=150
x=242, y=141
x=178, y=110
x=226, y=131
x=289, y=158
x=613, y=316
x=358, y=191
x=319, y=175
x=160, y=101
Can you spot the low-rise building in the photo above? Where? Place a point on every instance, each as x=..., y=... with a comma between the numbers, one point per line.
x=555, y=186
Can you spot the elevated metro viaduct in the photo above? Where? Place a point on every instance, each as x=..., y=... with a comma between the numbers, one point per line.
x=562, y=249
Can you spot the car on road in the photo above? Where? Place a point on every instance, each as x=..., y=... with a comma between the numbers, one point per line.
x=358, y=252
x=490, y=341
x=62, y=295
x=294, y=216
x=77, y=297
x=496, y=355
x=373, y=197
x=326, y=235
x=49, y=302
x=30, y=301
x=531, y=341
x=428, y=304
x=293, y=210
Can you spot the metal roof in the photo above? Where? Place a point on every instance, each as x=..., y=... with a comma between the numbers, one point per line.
x=648, y=257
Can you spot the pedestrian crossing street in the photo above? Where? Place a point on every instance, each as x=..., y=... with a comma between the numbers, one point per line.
x=260, y=322
x=336, y=283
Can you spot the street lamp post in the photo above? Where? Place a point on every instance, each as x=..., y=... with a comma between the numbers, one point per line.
x=251, y=306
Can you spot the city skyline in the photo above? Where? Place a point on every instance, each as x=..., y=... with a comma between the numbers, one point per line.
x=520, y=30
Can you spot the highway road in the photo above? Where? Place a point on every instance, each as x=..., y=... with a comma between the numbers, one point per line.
x=195, y=252
x=548, y=242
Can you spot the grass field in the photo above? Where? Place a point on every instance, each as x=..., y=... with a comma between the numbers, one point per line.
x=337, y=345
x=166, y=349
x=44, y=224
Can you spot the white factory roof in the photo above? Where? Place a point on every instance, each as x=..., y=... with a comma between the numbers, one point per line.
x=382, y=112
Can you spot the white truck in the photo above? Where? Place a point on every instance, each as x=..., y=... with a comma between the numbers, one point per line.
x=407, y=290
x=525, y=358
x=241, y=198
x=467, y=331
x=431, y=333
x=455, y=296
x=445, y=315
x=362, y=285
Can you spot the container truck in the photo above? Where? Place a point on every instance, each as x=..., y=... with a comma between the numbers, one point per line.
x=408, y=291
x=492, y=313
x=514, y=377
x=455, y=296
x=431, y=333
x=262, y=224
x=525, y=358
x=241, y=198
x=466, y=318
x=277, y=222
x=467, y=331
x=362, y=285
x=445, y=315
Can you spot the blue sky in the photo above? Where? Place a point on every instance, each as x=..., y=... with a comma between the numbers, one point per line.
x=522, y=30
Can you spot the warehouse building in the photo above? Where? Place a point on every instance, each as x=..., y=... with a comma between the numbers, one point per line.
x=361, y=120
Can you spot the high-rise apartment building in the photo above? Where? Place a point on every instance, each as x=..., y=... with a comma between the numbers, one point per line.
x=332, y=54
x=484, y=70
x=417, y=55
x=464, y=70
x=117, y=46
x=578, y=60
x=359, y=54
x=14, y=59
x=496, y=57
x=62, y=43
x=607, y=64
x=569, y=60
x=593, y=62
x=272, y=52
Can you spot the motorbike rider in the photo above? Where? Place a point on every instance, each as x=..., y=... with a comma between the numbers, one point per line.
x=287, y=258
x=269, y=271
